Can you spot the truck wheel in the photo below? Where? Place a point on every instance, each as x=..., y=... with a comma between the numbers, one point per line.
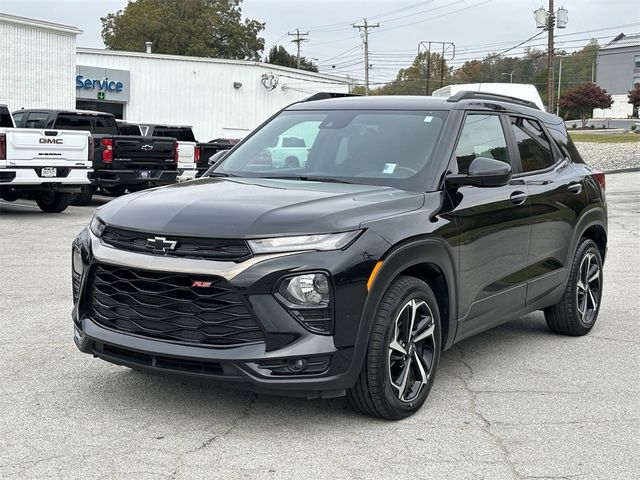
x=84, y=197
x=53, y=202
x=291, y=162
x=577, y=312
x=114, y=191
x=403, y=352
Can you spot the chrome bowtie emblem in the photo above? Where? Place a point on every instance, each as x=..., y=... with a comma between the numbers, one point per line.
x=146, y=148
x=161, y=244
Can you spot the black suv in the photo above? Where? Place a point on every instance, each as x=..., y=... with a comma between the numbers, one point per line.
x=413, y=223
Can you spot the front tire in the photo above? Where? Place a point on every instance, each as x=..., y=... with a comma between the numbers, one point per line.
x=577, y=312
x=403, y=353
x=53, y=202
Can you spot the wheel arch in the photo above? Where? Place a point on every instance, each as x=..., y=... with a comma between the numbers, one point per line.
x=429, y=260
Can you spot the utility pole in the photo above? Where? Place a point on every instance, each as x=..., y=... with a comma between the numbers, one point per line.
x=298, y=40
x=550, y=25
x=547, y=21
x=448, y=50
x=364, y=29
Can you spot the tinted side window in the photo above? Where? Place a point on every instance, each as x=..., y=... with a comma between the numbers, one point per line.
x=37, y=120
x=104, y=125
x=482, y=136
x=533, y=145
x=5, y=118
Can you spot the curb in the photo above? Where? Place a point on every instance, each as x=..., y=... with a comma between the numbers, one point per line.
x=623, y=170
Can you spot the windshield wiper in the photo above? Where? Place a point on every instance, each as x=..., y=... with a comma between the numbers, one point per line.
x=308, y=178
x=220, y=174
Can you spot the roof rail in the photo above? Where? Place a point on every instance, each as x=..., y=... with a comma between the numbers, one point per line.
x=325, y=95
x=471, y=95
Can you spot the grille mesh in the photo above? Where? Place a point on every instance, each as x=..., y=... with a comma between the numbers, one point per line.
x=167, y=306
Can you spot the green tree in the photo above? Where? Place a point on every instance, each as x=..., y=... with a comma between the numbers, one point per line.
x=581, y=100
x=413, y=79
x=202, y=28
x=279, y=56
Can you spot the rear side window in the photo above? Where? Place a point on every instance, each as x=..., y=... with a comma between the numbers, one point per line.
x=129, y=129
x=5, y=118
x=37, y=120
x=99, y=124
x=533, y=145
x=482, y=136
x=180, y=134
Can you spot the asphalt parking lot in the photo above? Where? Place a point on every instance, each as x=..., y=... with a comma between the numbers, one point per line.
x=516, y=402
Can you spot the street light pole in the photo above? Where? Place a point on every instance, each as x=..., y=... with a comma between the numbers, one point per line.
x=559, y=83
x=510, y=76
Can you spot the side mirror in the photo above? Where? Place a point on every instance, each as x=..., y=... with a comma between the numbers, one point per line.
x=216, y=157
x=483, y=172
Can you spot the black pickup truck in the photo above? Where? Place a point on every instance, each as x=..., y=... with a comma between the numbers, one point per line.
x=210, y=148
x=120, y=162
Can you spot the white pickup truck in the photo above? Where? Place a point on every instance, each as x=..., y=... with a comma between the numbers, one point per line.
x=48, y=166
x=188, y=151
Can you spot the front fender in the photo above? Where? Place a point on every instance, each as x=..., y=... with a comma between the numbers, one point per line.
x=398, y=259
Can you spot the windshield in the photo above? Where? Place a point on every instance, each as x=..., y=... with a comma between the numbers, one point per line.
x=387, y=147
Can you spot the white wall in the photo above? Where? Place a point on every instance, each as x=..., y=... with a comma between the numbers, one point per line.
x=37, y=64
x=619, y=109
x=200, y=92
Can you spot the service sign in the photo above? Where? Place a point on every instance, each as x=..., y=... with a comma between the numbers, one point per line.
x=102, y=83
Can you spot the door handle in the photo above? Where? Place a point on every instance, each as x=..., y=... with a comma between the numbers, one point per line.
x=518, y=197
x=575, y=187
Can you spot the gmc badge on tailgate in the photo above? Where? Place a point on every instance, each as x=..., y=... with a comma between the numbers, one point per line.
x=56, y=141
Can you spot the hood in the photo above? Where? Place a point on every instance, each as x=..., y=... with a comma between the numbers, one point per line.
x=256, y=207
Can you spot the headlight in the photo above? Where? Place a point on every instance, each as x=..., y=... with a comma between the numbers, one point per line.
x=325, y=241
x=310, y=290
x=97, y=226
x=76, y=261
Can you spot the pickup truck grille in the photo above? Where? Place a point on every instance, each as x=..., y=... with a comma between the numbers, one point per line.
x=188, y=247
x=167, y=306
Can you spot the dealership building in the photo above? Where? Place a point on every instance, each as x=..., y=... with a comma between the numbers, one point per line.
x=41, y=67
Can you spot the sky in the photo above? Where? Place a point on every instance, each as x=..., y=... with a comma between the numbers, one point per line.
x=476, y=27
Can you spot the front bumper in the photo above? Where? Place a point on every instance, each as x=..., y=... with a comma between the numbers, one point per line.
x=249, y=365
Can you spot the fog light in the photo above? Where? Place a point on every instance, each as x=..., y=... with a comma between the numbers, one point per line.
x=311, y=289
x=297, y=365
x=76, y=261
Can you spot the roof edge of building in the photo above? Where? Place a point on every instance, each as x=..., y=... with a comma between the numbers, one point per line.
x=32, y=22
x=305, y=73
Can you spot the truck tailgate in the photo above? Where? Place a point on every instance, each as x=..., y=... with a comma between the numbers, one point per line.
x=143, y=152
x=43, y=146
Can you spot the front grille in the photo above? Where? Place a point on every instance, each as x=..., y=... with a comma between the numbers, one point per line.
x=167, y=306
x=187, y=247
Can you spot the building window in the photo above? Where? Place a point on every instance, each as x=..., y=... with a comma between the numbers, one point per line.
x=636, y=61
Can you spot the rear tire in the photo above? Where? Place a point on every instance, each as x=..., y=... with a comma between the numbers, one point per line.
x=84, y=197
x=577, y=312
x=53, y=202
x=291, y=162
x=115, y=191
x=400, y=367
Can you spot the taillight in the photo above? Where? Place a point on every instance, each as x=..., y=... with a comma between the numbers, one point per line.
x=3, y=146
x=196, y=155
x=599, y=176
x=175, y=152
x=90, y=149
x=107, y=150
